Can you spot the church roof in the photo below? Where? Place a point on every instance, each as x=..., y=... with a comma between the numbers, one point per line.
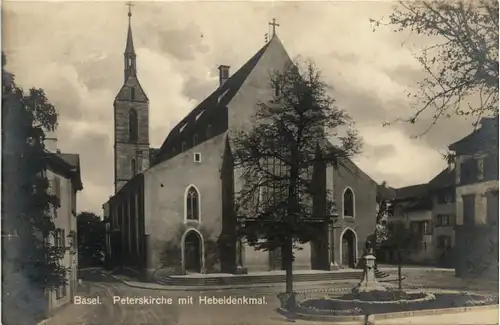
x=221, y=97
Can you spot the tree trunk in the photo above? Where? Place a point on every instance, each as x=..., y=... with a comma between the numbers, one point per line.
x=288, y=264
x=400, y=286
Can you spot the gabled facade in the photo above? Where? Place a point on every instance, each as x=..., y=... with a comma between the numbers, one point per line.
x=178, y=215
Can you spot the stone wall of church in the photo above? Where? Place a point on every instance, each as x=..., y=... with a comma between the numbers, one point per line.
x=166, y=187
x=257, y=87
x=363, y=222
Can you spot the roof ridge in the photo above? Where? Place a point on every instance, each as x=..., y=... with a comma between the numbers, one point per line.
x=230, y=87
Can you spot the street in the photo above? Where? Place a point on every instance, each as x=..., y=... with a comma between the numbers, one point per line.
x=105, y=287
x=172, y=311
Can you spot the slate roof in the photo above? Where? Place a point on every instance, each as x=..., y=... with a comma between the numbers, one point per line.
x=221, y=97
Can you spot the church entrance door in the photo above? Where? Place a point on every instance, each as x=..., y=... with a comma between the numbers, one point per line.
x=192, y=252
x=348, y=249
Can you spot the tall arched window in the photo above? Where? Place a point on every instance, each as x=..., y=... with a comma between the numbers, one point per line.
x=132, y=94
x=133, y=125
x=348, y=202
x=192, y=204
x=133, y=167
x=209, y=131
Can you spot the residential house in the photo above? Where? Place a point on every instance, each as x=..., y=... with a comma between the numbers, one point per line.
x=63, y=173
x=476, y=181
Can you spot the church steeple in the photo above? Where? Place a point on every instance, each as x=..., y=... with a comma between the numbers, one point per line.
x=129, y=55
x=131, y=117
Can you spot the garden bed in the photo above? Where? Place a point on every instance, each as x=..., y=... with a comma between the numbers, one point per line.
x=390, y=302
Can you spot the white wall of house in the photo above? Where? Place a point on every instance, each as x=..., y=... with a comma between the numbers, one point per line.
x=65, y=220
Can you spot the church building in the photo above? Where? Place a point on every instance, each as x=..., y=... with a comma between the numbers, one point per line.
x=173, y=207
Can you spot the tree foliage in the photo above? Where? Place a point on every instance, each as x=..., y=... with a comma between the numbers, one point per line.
x=281, y=159
x=381, y=232
x=462, y=66
x=30, y=259
x=400, y=238
x=91, y=238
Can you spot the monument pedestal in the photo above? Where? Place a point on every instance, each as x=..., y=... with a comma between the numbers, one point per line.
x=369, y=283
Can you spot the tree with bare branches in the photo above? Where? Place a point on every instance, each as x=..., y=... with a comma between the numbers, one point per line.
x=282, y=159
x=462, y=65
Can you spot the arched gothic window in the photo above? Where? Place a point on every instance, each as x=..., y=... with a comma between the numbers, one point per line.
x=192, y=204
x=133, y=125
x=132, y=94
x=133, y=167
x=348, y=202
x=209, y=131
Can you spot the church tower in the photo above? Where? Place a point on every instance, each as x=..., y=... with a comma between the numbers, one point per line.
x=131, y=115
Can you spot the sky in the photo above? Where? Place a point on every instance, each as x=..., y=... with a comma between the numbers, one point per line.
x=74, y=51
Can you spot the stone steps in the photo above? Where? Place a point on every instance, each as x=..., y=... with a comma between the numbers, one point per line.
x=262, y=279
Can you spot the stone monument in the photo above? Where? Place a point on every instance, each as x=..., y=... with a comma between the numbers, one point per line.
x=369, y=282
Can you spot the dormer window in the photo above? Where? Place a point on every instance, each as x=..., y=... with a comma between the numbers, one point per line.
x=200, y=114
x=195, y=140
x=183, y=146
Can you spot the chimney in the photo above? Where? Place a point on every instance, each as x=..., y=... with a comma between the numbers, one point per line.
x=223, y=74
x=50, y=141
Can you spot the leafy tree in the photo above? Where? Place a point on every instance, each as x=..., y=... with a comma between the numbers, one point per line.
x=380, y=234
x=401, y=240
x=91, y=238
x=281, y=159
x=153, y=156
x=30, y=259
x=462, y=65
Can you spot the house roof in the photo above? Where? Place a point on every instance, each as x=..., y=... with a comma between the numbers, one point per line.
x=480, y=139
x=68, y=165
x=411, y=192
x=221, y=97
x=444, y=179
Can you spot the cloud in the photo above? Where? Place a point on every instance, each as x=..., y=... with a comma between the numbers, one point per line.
x=76, y=56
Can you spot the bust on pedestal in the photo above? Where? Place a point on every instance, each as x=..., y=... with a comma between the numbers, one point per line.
x=369, y=282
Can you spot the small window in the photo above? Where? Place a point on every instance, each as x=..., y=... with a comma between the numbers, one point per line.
x=183, y=147
x=195, y=140
x=132, y=94
x=197, y=157
x=209, y=131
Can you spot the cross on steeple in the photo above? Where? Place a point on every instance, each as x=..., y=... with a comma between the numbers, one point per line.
x=274, y=26
x=130, y=5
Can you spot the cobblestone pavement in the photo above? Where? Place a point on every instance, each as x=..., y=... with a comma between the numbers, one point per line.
x=105, y=287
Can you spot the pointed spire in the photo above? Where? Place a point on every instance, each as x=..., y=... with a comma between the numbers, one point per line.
x=129, y=55
x=129, y=48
